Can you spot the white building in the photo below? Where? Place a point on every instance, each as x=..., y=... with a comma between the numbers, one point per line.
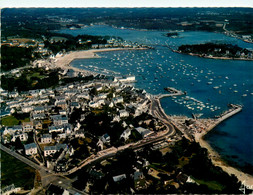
x=23, y=137
x=119, y=177
x=61, y=136
x=53, y=149
x=144, y=132
x=79, y=133
x=27, y=126
x=27, y=109
x=106, y=138
x=126, y=134
x=127, y=79
x=118, y=100
x=31, y=149
x=57, y=129
x=46, y=138
x=123, y=113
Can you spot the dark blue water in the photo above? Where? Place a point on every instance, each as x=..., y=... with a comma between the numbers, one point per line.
x=210, y=84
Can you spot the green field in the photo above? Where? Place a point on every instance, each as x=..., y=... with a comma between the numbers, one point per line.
x=15, y=172
x=11, y=121
x=213, y=185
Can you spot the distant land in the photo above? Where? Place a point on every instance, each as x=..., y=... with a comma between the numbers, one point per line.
x=36, y=22
x=216, y=51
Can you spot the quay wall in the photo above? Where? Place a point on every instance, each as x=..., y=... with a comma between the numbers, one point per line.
x=226, y=116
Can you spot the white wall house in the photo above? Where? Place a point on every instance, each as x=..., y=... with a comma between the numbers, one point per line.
x=123, y=113
x=31, y=149
x=46, y=138
x=53, y=149
x=27, y=126
x=23, y=137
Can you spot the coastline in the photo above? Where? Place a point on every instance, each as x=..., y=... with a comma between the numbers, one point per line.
x=64, y=61
x=216, y=159
x=215, y=58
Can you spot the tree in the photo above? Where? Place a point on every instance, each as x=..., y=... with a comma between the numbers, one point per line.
x=93, y=91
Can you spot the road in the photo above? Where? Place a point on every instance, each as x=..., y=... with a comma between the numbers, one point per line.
x=59, y=179
x=47, y=176
x=39, y=148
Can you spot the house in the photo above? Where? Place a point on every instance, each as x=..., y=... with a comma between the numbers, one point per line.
x=17, y=128
x=119, y=177
x=8, y=131
x=39, y=116
x=102, y=96
x=57, y=129
x=61, y=166
x=38, y=110
x=68, y=128
x=23, y=137
x=62, y=105
x=79, y=133
x=144, y=132
x=123, y=113
x=34, y=93
x=31, y=149
x=97, y=104
x=94, y=46
x=70, y=93
x=48, y=150
x=83, y=95
x=27, y=126
x=127, y=79
x=61, y=136
x=62, y=112
x=98, y=87
x=46, y=138
x=26, y=109
x=126, y=134
x=139, y=180
x=13, y=94
x=37, y=125
x=106, y=138
x=117, y=100
x=100, y=144
x=138, y=175
x=59, y=120
x=74, y=105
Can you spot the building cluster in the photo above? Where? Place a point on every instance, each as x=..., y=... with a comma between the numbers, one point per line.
x=50, y=110
x=21, y=42
x=114, y=43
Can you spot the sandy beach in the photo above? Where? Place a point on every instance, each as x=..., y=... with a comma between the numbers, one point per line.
x=65, y=60
x=245, y=178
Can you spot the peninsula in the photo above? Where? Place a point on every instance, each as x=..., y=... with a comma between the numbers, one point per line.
x=216, y=51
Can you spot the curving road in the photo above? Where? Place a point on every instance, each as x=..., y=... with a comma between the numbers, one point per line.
x=47, y=176
x=59, y=179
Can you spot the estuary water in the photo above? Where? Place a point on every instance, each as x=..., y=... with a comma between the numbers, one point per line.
x=210, y=84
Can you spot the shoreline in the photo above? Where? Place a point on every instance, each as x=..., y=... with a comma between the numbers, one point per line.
x=217, y=160
x=214, y=58
x=64, y=61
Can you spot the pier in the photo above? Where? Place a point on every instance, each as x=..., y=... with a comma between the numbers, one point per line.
x=232, y=111
x=172, y=92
